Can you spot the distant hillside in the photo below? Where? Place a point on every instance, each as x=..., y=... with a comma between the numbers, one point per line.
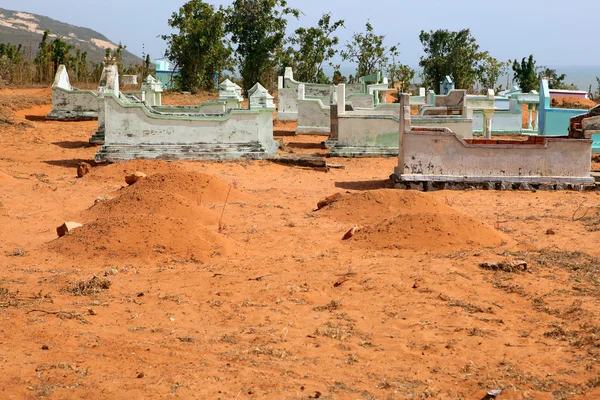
x=27, y=29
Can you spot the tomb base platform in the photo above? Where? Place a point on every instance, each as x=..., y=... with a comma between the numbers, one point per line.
x=329, y=143
x=197, y=151
x=287, y=116
x=313, y=130
x=72, y=116
x=430, y=183
x=97, y=138
x=362, y=151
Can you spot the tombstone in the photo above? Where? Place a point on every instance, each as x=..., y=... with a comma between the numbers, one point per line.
x=431, y=98
x=69, y=103
x=422, y=92
x=446, y=85
x=231, y=94
x=61, y=80
x=301, y=91
x=129, y=80
x=109, y=83
x=341, y=95
x=260, y=97
x=152, y=91
x=289, y=73
x=488, y=114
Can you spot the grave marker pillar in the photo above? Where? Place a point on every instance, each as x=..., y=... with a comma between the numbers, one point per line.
x=341, y=95
x=301, y=91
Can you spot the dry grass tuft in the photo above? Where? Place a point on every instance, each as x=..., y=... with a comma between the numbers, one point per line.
x=468, y=307
x=91, y=286
x=341, y=332
x=505, y=266
x=587, y=335
x=334, y=305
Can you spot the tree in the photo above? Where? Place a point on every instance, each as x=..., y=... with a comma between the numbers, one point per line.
x=147, y=64
x=525, y=74
x=312, y=48
x=11, y=58
x=338, y=77
x=597, y=94
x=11, y=52
x=199, y=48
x=79, y=64
x=556, y=81
x=257, y=27
x=42, y=57
x=117, y=54
x=368, y=51
x=402, y=74
x=489, y=70
x=60, y=52
x=450, y=53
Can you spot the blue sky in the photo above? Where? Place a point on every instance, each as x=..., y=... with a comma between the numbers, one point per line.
x=508, y=29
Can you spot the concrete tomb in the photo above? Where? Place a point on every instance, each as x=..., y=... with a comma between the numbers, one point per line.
x=69, y=103
x=447, y=111
x=260, y=97
x=314, y=115
x=553, y=121
x=109, y=83
x=374, y=132
x=587, y=126
x=135, y=130
x=231, y=94
x=437, y=158
x=447, y=85
x=309, y=103
x=129, y=80
x=482, y=109
x=151, y=95
x=152, y=91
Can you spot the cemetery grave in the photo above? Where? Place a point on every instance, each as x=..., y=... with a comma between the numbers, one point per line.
x=226, y=279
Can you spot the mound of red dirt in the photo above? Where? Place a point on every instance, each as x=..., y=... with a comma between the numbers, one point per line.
x=374, y=206
x=410, y=220
x=195, y=186
x=163, y=214
x=126, y=237
x=5, y=178
x=117, y=171
x=172, y=178
x=572, y=102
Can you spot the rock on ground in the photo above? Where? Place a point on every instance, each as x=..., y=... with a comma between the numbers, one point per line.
x=67, y=227
x=133, y=178
x=83, y=169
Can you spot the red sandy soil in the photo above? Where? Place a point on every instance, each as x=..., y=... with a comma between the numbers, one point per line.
x=572, y=102
x=179, y=99
x=256, y=295
x=526, y=116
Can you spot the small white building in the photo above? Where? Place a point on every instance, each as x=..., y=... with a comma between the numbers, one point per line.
x=166, y=72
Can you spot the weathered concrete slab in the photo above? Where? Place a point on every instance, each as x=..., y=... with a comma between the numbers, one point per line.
x=69, y=103
x=439, y=155
x=134, y=130
x=109, y=84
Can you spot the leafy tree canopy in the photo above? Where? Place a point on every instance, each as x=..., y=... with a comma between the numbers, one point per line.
x=311, y=48
x=368, y=51
x=450, y=53
x=257, y=27
x=525, y=74
x=402, y=74
x=556, y=81
x=198, y=48
x=489, y=71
